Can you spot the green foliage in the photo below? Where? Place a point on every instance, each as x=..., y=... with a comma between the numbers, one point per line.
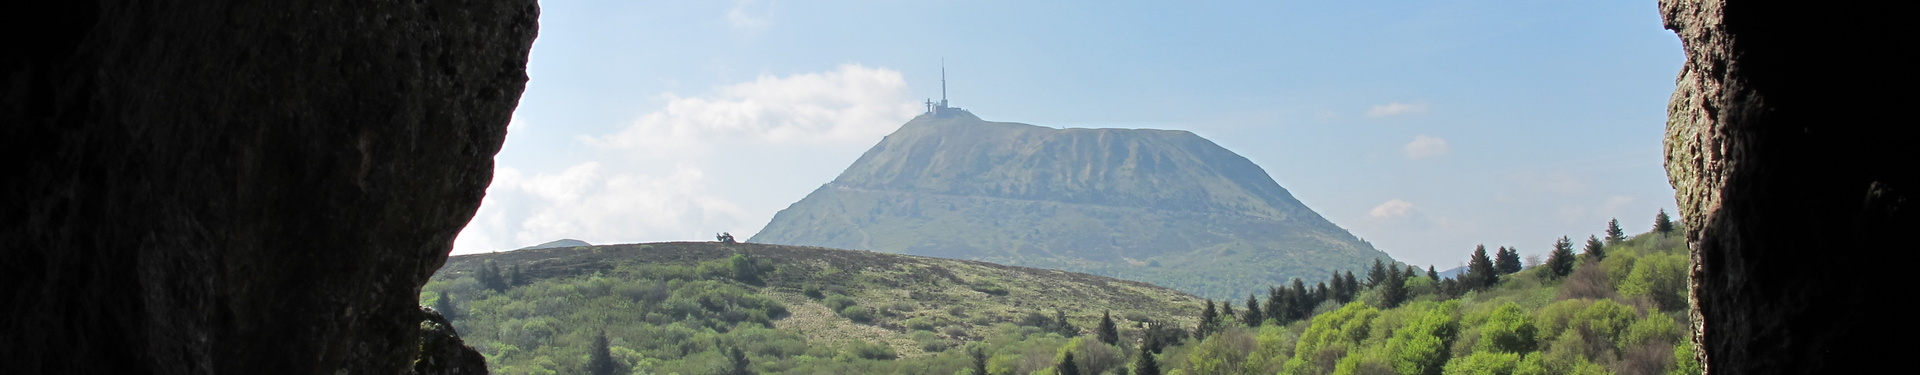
x=1507, y=260
x=1144, y=363
x=1595, y=249
x=1509, y=330
x=1481, y=272
x=1107, y=332
x=1662, y=223
x=1614, y=234
x=1684, y=363
x=1661, y=278
x=1484, y=363
x=1561, y=260
x=1421, y=347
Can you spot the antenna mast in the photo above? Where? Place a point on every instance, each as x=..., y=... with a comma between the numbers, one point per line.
x=943, y=83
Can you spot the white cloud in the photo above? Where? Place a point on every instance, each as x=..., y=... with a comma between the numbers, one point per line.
x=750, y=16
x=851, y=103
x=1396, y=109
x=1392, y=209
x=650, y=181
x=1425, y=146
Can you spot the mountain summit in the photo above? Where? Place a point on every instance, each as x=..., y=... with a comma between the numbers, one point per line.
x=1161, y=206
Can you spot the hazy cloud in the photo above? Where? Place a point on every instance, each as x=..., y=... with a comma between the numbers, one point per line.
x=1396, y=109
x=750, y=16
x=1392, y=209
x=1425, y=146
x=651, y=180
x=851, y=103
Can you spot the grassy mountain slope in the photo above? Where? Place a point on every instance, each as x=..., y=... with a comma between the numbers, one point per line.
x=1166, y=207
x=677, y=307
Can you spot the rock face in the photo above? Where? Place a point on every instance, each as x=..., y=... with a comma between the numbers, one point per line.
x=1165, y=207
x=1790, y=145
x=243, y=187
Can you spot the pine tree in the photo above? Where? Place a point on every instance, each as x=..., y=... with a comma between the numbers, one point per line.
x=1560, y=261
x=1253, y=317
x=444, y=305
x=1435, y=276
x=1066, y=365
x=516, y=278
x=1662, y=223
x=1297, y=294
x=1320, y=293
x=1595, y=250
x=1351, y=290
x=1061, y=326
x=1227, y=316
x=1277, y=304
x=1480, y=270
x=1393, y=291
x=1143, y=363
x=1614, y=234
x=979, y=356
x=1108, y=333
x=1339, y=288
x=1209, y=318
x=737, y=362
x=1376, y=274
x=1508, y=260
x=600, y=357
x=490, y=277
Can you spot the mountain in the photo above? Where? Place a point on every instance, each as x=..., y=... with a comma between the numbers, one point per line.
x=564, y=242
x=673, y=307
x=1161, y=206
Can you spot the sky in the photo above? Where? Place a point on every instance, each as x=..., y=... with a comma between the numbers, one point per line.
x=1424, y=127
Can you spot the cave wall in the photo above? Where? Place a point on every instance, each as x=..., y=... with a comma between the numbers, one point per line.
x=1790, y=144
x=238, y=187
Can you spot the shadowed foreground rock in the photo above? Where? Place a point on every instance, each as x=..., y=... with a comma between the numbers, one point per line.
x=244, y=187
x=1791, y=147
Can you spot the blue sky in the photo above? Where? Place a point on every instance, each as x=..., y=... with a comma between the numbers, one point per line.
x=1425, y=127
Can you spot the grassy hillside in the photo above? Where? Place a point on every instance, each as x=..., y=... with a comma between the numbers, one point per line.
x=681, y=307
x=1165, y=207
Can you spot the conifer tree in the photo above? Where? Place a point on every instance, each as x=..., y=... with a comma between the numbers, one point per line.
x=515, y=278
x=1614, y=234
x=1143, y=364
x=1393, y=291
x=1376, y=274
x=1227, y=316
x=1208, y=318
x=1276, y=304
x=1297, y=294
x=737, y=362
x=1662, y=223
x=1410, y=273
x=1061, y=326
x=1435, y=276
x=1480, y=270
x=600, y=357
x=1560, y=261
x=1351, y=289
x=1253, y=317
x=1320, y=293
x=1066, y=365
x=444, y=305
x=979, y=356
x=1108, y=333
x=1595, y=250
x=1508, y=260
x=1339, y=288
x=491, y=278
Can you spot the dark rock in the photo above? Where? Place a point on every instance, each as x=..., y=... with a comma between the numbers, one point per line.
x=441, y=350
x=1790, y=147
x=242, y=187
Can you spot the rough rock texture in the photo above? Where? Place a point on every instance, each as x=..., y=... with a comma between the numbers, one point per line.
x=1790, y=145
x=441, y=350
x=242, y=187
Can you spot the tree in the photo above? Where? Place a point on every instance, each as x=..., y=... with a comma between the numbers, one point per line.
x=1480, y=271
x=1339, y=288
x=1209, y=319
x=1226, y=314
x=1508, y=260
x=1376, y=274
x=1596, y=250
x=1560, y=261
x=491, y=278
x=1299, y=306
x=1066, y=366
x=1143, y=363
x=1393, y=291
x=737, y=362
x=1277, y=304
x=1662, y=223
x=1614, y=234
x=1108, y=333
x=979, y=356
x=1435, y=276
x=1351, y=290
x=1253, y=317
x=444, y=305
x=724, y=237
x=600, y=357
x=1410, y=272
x=1061, y=326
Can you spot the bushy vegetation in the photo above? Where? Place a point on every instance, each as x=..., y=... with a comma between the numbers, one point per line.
x=1615, y=308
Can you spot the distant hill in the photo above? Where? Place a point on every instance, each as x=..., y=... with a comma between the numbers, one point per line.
x=566, y=242
x=672, y=301
x=1162, y=206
